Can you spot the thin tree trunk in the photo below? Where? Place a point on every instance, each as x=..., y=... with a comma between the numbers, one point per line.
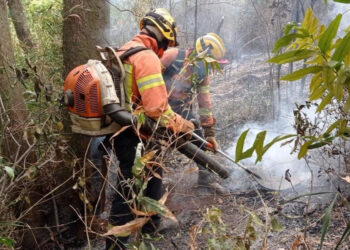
x=20, y=23
x=278, y=82
x=12, y=106
x=195, y=22
x=186, y=22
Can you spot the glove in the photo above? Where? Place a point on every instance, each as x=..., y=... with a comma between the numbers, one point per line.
x=209, y=135
x=212, y=141
x=187, y=129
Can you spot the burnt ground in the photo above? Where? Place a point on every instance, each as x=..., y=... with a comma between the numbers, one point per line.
x=241, y=95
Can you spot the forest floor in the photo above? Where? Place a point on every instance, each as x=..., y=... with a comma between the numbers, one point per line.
x=257, y=216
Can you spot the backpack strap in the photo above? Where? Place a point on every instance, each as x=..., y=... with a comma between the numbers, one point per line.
x=131, y=51
x=175, y=67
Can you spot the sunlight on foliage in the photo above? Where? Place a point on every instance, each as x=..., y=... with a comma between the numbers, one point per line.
x=328, y=62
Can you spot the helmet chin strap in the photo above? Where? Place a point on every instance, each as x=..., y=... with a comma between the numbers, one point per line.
x=163, y=44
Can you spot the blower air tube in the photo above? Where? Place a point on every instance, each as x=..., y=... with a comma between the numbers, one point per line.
x=124, y=118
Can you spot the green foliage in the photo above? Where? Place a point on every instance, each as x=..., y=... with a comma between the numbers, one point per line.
x=296, y=75
x=342, y=1
x=10, y=172
x=8, y=242
x=292, y=56
x=258, y=145
x=329, y=61
x=218, y=234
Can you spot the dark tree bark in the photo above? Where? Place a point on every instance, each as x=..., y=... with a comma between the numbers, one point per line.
x=12, y=106
x=84, y=25
x=20, y=23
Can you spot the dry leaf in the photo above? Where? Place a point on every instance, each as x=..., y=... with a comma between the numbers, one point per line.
x=155, y=174
x=193, y=236
x=192, y=170
x=164, y=197
x=128, y=228
x=141, y=213
x=296, y=243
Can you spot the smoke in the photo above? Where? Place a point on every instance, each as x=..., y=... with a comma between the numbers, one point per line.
x=340, y=8
x=278, y=162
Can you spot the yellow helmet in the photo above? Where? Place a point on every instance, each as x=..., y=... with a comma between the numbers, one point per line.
x=214, y=43
x=162, y=19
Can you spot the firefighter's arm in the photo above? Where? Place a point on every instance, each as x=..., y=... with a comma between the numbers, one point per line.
x=205, y=112
x=154, y=96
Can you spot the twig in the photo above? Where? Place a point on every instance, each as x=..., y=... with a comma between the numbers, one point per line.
x=85, y=197
x=56, y=213
x=309, y=199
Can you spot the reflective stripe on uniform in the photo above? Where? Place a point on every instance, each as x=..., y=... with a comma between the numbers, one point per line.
x=128, y=85
x=203, y=89
x=204, y=112
x=149, y=81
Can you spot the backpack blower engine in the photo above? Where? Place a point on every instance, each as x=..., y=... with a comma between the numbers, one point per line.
x=94, y=97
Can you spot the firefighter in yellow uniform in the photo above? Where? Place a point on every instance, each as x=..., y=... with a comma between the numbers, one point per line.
x=186, y=82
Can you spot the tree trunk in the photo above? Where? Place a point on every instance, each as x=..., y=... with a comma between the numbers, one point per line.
x=12, y=106
x=84, y=25
x=20, y=22
x=195, y=23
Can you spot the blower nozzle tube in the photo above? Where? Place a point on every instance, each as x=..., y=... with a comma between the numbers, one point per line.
x=124, y=118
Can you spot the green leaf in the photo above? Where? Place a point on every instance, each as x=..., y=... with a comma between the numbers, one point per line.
x=304, y=148
x=151, y=205
x=316, y=81
x=326, y=38
x=301, y=73
x=344, y=236
x=332, y=127
x=275, y=140
x=292, y=56
x=285, y=40
x=255, y=218
x=240, y=155
x=338, y=92
x=317, y=93
x=328, y=75
x=347, y=105
x=317, y=145
x=342, y=1
x=289, y=27
x=326, y=219
x=276, y=226
x=240, y=145
x=326, y=100
x=343, y=49
x=259, y=145
x=10, y=172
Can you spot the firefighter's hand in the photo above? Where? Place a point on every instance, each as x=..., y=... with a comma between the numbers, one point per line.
x=187, y=129
x=213, y=142
x=209, y=135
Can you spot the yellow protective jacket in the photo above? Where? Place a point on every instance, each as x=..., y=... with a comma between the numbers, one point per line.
x=181, y=88
x=144, y=84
